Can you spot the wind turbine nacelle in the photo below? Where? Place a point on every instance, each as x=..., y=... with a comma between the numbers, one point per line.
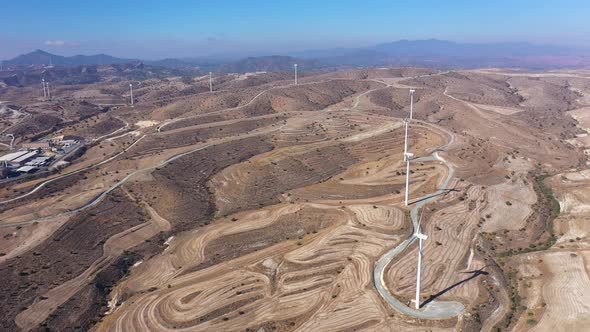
x=408, y=156
x=421, y=236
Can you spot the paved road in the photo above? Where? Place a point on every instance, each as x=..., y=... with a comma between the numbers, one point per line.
x=434, y=309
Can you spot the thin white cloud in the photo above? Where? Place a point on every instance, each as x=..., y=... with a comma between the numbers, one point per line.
x=60, y=43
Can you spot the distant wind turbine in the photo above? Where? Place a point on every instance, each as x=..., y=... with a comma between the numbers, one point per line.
x=412, y=103
x=48, y=93
x=44, y=91
x=131, y=93
x=210, y=82
x=295, y=66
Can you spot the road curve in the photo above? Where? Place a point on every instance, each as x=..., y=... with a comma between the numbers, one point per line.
x=434, y=309
x=101, y=195
x=42, y=184
x=158, y=129
x=171, y=121
x=104, y=193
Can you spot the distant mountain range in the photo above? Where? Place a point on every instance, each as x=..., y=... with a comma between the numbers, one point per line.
x=435, y=47
x=39, y=57
x=447, y=54
x=87, y=74
x=426, y=53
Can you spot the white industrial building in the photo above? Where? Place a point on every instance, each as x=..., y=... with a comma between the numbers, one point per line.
x=19, y=158
x=12, y=156
x=24, y=158
x=38, y=161
x=26, y=169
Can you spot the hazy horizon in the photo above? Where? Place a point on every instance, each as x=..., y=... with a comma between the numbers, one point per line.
x=179, y=29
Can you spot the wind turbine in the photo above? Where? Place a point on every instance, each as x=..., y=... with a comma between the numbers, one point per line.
x=412, y=103
x=44, y=91
x=210, y=83
x=295, y=66
x=421, y=237
x=407, y=155
x=48, y=93
x=131, y=93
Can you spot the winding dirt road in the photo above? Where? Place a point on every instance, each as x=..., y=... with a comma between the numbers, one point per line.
x=434, y=309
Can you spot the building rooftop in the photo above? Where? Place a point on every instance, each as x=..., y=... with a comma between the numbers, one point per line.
x=26, y=156
x=26, y=169
x=42, y=158
x=38, y=161
x=13, y=155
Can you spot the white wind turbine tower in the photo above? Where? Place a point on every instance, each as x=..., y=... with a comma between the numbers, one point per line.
x=48, y=93
x=421, y=237
x=412, y=103
x=44, y=91
x=295, y=66
x=407, y=155
x=210, y=83
x=131, y=93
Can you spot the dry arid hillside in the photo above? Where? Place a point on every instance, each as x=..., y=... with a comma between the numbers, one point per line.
x=270, y=206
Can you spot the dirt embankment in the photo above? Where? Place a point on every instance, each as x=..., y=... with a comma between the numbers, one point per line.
x=178, y=191
x=65, y=255
x=188, y=136
x=47, y=190
x=265, y=179
x=83, y=310
x=39, y=123
x=95, y=127
x=192, y=207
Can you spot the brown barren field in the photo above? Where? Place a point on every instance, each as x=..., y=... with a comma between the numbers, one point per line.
x=264, y=206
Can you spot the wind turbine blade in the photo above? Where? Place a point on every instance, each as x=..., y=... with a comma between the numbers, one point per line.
x=420, y=220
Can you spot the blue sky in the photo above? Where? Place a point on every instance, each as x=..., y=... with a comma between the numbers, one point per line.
x=158, y=29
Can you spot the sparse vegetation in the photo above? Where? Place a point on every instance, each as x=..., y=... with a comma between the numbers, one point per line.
x=278, y=197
